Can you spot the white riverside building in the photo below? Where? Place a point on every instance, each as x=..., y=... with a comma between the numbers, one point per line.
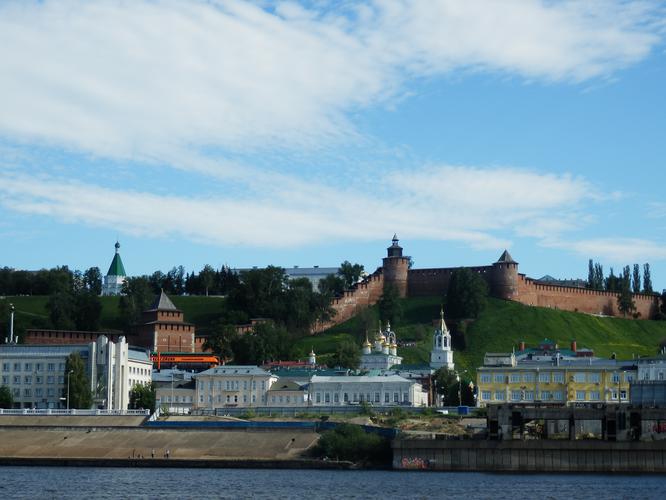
x=233, y=386
x=35, y=374
x=382, y=390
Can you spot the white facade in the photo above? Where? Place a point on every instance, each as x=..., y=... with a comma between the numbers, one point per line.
x=113, y=285
x=441, y=353
x=651, y=368
x=390, y=390
x=233, y=386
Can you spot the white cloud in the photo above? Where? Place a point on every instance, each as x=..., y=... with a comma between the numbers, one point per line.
x=470, y=205
x=151, y=79
x=615, y=250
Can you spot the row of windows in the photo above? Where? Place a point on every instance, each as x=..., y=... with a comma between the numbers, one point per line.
x=233, y=385
x=29, y=367
x=176, y=399
x=140, y=371
x=547, y=377
x=28, y=379
x=229, y=399
x=39, y=392
x=355, y=397
x=547, y=395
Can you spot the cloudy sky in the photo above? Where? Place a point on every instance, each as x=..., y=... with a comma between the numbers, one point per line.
x=306, y=133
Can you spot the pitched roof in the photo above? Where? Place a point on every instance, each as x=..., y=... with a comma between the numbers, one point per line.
x=163, y=303
x=506, y=258
x=116, y=268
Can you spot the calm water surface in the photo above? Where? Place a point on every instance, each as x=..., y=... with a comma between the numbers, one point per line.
x=100, y=482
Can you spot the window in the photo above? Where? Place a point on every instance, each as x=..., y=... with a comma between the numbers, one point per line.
x=27, y=367
x=245, y=385
x=39, y=380
x=396, y=397
x=614, y=395
x=39, y=367
x=254, y=385
x=593, y=377
x=272, y=398
x=50, y=392
x=318, y=397
x=485, y=378
x=50, y=379
x=61, y=379
x=235, y=399
x=405, y=397
x=558, y=377
x=50, y=367
x=17, y=367
x=360, y=397
x=500, y=378
x=485, y=395
x=5, y=367
x=377, y=395
x=27, y=379
x=515, y=395
x=499, y=395
x=228, y=398
x=628, y=377
x=594, y=396
x=17, y=379
x=345, y=397
x=544, y=377
x=327, y=397
x=5, y=380
x=580, y=395
x=244, y=398
x=336, y=397
x=27, y=393
x=387, y=397
x=515, y=378
x=616, y=378
x=263, y=385
x=528, y=377
x=201, y=398
x=623, y=394
x=254, y=398
x=558, y=396
x=545, y=396
x=579, y=377
x=529, y=395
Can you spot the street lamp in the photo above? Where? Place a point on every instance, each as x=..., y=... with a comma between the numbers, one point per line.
x=459, y=379
x=68, y=375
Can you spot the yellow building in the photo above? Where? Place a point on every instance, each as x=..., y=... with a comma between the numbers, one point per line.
x=553, y=379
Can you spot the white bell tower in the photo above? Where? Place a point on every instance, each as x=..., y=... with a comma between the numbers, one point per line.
x=441, y=353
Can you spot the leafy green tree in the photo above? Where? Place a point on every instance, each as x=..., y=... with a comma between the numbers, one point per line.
x=61, y=310
x=636, y=279
x=598, y=277
x=207, y=278
x=466, y=295
x=347, y=355
x=613, y=283
x=590, y=274
x=625, y=301
x=390, y=308
x=80, y=395
x=87, y=311
x=6, y=399
x=350, y=273
x=92, y=280
x=221, y=339
x=447, y=385
x=137, y=295
x=143, y=397
x=351, y=442
x=332, y=285
x=647, y=279
x=266, y=342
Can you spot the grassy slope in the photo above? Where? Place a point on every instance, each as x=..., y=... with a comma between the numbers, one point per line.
x=502, y=325
x=31, y=311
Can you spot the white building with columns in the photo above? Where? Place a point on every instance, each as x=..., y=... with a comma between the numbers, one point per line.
x=233, y=386
x=382, y=390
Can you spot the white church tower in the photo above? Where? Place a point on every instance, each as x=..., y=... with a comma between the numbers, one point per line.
x=441, y=354
x=114, y=279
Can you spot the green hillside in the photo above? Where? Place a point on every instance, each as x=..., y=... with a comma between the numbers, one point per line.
x=31, y=311
x=501, y=326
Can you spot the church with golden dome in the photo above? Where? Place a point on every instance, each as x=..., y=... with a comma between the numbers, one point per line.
x=383, y=353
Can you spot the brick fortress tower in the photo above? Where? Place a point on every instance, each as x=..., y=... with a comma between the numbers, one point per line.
x=396, y=267
x=504, y=278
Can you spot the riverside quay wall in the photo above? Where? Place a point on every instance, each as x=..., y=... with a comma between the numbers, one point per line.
x=529, y=456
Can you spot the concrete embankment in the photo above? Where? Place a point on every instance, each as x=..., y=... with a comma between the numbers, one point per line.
x=529, y=456
x=105, y=443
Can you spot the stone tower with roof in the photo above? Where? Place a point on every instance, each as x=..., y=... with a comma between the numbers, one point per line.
x=441, y=353
x=396, y=267
x=164, y=328
x=115, y=277
x=504, y=277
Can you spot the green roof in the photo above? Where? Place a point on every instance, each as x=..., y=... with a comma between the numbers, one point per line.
x=116, y=268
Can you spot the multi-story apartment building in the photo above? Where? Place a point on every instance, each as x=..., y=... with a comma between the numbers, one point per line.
x=553, y=379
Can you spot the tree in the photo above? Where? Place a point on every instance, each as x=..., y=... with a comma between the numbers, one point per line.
x=347, y=355
x=448, y=386
x=87, y=311
x=389, y=305
x=590, y=274
x=80, y=395
x=92, y=280
x=332, y=285
x=207, y=278
x=221, y=339
x=350, y=273
x=143, y=397
x=598, y=277
x=466, y=295
x=636, y=279
x=625, y=301
x=136, y=298
x=61, y=310
x=6, y=399
x=647, y=279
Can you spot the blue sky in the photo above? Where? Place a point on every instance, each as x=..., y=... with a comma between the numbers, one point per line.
x=308, y=133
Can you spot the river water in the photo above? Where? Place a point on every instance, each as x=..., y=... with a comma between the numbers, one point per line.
x=101, y=482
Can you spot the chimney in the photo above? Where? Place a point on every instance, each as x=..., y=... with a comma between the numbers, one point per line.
x=573, y=345
x=521, y=345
